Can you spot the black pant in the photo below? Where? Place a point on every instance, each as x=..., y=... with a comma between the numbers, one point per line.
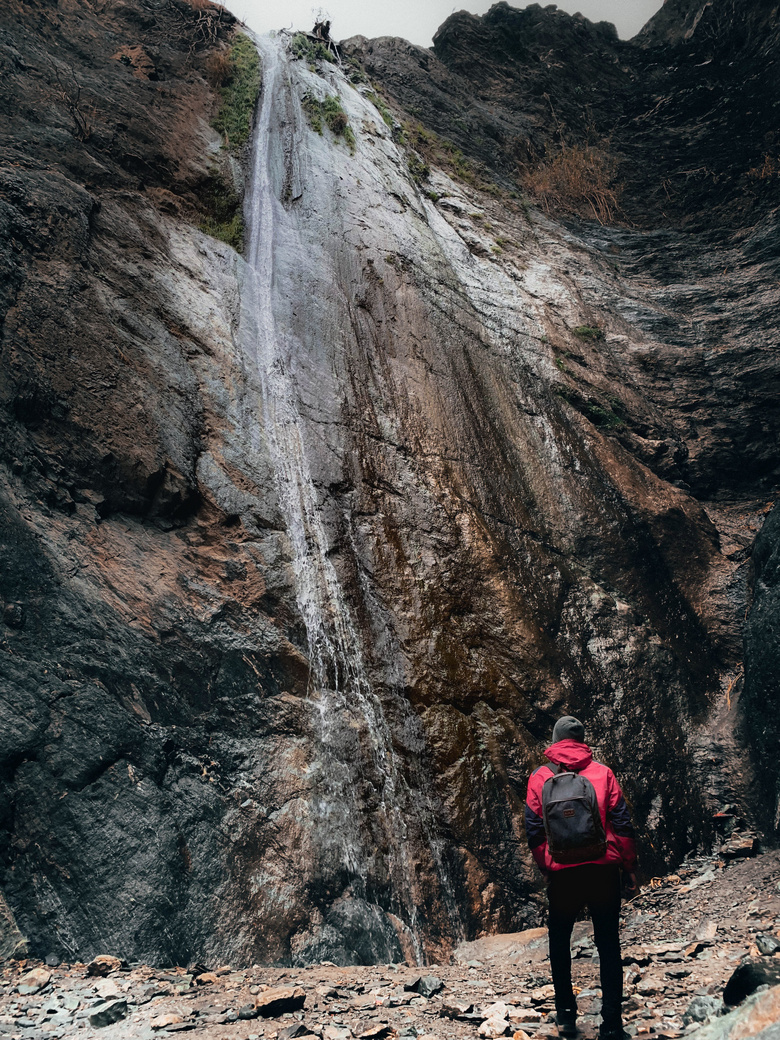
x=570, y=891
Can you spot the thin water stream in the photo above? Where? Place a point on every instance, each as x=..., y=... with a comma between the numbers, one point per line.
x=354, y=772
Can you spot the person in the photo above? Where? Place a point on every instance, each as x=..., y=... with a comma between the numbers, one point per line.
x=594, y=883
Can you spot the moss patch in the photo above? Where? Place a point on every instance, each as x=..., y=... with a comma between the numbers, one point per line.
x=591, y=332
x=224, y=217
x=239, y=93
x=329, y=112
x=381, y=108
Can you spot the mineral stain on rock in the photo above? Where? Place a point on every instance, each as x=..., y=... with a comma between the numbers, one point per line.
x=303, y=551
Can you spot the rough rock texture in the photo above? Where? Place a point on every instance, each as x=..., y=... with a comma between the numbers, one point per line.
x=760, y=699
x=12, y=942
x=686, y=110
x=146, y=658
x=302, y=556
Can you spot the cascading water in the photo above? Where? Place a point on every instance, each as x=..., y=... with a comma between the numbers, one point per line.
x=283, y=332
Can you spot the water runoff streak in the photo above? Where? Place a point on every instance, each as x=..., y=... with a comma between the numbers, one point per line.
x=355, y=749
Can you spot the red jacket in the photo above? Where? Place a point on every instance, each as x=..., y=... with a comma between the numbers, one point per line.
x=615, y=816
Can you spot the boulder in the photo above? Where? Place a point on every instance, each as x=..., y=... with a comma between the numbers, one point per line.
x=108, y=1013
x=34, y=981
x=701, y=1009
x=103, y=964
x=758, y=1017
x=748, y=976
x=280, y=1001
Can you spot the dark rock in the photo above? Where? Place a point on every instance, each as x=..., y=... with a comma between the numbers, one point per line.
x=760, y=701
x=354, y=932
x=295, y=1030
x=13, y=615
x=428, y=985
x=248, y=1011
x=108, y=1013
x=768, y=945
x=702, y=1008
x=747, y=977
x=758, y=1016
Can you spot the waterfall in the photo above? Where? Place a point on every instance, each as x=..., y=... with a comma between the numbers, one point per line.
x=353, y=738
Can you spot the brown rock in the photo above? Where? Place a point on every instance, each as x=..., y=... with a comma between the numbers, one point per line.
x=163, y=1021
x=543, y=995
x=454, y=1009
x=336, y=1033
x=493, y=1027
x=103, y=964
x=34, y=981
x=521, y=1014
x=279, y=1001
x=138, y=60
x=206, y=979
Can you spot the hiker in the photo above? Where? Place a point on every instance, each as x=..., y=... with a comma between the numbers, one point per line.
x=580, y=833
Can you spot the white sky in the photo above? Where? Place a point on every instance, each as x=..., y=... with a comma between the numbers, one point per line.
x=416, y=20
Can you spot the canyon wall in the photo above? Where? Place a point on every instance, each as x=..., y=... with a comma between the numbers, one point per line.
x=303, y=552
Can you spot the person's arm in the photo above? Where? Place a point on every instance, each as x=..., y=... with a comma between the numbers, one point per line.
x=620, y=821
x=534, y=824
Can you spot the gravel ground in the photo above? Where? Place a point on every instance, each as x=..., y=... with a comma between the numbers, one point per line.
x=683, y=936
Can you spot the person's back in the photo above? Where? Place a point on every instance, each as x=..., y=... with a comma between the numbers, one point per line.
x=590, y=879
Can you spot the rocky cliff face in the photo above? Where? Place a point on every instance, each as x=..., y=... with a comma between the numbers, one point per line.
x=304, y=553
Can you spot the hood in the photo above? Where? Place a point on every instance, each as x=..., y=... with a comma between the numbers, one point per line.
x=570, y=753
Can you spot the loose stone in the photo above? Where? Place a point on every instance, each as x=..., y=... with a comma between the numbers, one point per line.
x=34, y=981
x=107, y=1014
x=103, y=964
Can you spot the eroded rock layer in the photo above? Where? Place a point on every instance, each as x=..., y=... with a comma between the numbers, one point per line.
x=303, y=553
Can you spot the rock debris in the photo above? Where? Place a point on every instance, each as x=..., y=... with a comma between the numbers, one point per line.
x=685, y=938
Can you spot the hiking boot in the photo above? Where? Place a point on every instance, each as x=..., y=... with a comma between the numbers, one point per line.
x=613, y=1033
x=566, y=1021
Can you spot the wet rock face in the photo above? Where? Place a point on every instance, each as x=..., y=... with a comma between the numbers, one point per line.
x=303, y=554
x=138, y=683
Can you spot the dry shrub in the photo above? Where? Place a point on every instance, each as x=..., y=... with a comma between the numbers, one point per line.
x=769, y=169
x=576, y=180
x=338, y=122
x=219, y=68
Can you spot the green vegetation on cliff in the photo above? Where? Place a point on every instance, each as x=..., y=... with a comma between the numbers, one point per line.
x=310, y=50
x=239, y=75
x=225, y=219
x=329, y=112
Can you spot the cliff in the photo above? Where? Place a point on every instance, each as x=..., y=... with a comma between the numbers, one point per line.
x=305, y=551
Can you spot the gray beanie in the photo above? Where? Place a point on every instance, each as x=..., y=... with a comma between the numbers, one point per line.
x=568, y=728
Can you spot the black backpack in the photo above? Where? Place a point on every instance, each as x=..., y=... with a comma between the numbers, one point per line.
x=572, y=820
